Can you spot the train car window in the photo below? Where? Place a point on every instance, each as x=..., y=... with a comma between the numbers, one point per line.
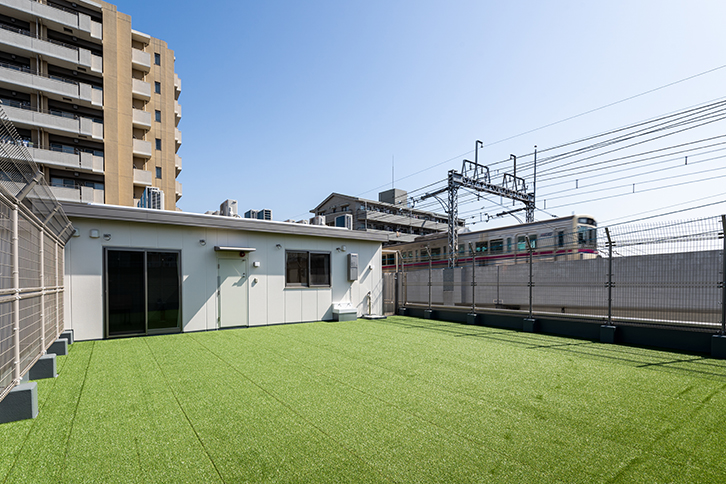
x=509, y=244
x=461, y=249
x=561, y=238
x=416, y=255
x=403, y=255
x=410, y=254
x=586, y=221
x=592, y=235
x=435, y=252
x=533, y=241
x=521, y=243
x=581, y=235
x=497, y=246
x=482, y=247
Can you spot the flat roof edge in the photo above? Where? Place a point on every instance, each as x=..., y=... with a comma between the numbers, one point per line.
x=167, y=217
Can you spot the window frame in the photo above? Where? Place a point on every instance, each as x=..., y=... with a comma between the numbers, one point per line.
x=306, y=280
x=157, y=116
x=158, y=144
x=157, y=59
x=157, y=87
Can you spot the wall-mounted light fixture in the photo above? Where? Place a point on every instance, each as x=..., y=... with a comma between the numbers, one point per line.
x=202, y=242
x=279, y=246
x=342, y=248
x=107, y=237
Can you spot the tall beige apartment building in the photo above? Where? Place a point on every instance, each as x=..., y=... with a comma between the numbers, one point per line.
x=95, y=101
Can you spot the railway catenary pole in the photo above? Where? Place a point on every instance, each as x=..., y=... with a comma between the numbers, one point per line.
x=453, y=189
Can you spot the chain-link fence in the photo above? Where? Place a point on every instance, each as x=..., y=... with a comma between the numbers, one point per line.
x=667, y=274
x=33, y=234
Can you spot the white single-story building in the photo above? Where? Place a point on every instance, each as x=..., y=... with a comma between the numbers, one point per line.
x=131, y=271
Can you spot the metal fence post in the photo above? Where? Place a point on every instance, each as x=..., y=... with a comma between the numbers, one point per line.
x=723, y=276
x=531, y=283
x=473, y=278
x=16, y=301
x=610, y=277
x=429, y=254
x=42, y=289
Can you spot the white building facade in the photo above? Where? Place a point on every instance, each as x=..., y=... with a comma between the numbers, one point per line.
x=135, y=272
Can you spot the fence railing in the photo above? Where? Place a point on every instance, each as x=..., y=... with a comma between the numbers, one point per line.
x=667, y=274
x=33, y=234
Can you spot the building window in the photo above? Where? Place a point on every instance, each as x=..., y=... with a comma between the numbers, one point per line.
x=157, y=87
x=158, y=144
x=157, y=115
x=158, y=172
x=157, y=59
x=311, y=269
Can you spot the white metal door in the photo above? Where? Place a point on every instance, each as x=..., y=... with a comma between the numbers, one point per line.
x=232, y=292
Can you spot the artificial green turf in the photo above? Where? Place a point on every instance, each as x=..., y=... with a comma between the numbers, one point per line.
x=395, y=400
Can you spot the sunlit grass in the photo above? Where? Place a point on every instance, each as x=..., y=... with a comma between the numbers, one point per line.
x=396, y=400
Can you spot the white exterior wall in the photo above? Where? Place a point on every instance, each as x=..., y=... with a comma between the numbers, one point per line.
x=270, y=302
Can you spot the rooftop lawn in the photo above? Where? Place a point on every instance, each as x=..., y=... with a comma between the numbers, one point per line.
x=395, y=400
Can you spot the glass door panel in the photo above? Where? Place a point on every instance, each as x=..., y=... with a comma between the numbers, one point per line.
x=126, y=292
x=163, y=290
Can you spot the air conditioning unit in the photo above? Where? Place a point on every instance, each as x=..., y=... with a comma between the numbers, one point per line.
x=228, y=208
x=152, y=198
x=344, y=221
x=317, y=220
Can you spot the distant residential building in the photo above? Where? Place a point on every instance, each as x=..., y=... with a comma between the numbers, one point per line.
x=391, y=213
x=264, y=214
x=95, y=102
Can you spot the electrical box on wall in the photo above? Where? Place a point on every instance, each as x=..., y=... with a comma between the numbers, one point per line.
x=352, y=267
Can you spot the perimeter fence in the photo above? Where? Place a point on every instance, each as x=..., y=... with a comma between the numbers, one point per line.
x=666, y=274
x=33, y=233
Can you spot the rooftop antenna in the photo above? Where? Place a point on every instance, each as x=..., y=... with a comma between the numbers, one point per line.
x=393, y=164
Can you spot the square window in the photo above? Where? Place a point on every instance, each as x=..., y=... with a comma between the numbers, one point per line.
x=157, y=59
x=158, y=144
x=157, y=115
x=304, y=268
x=158, y=172
x=157, y=87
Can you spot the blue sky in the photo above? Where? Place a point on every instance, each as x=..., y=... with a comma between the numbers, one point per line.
x=285, y=102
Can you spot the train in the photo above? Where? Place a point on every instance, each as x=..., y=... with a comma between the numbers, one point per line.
x=563, y=238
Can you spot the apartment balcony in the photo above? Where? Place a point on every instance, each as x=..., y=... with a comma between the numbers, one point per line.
x=78, y=194
x=177, y=137
x=68, y=158
x=178, y=164
x=140, y=60
x=64, y=55
x=177, y=86
x=143, y=178
x=142, y=148
x=141, y=119
x=177, y=112
x=14, y=77
x=141, y=89
x=178, y=189
x=56, y=122
x=58, y=18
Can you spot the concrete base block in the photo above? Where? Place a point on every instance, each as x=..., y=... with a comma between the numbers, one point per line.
x=401, y=311
x=471, y=318
x=20, y=404
x=43, y=368
x=59, y=347
x=345, y=315
x=718, y=346
x=67, y=334
x=607, y=333
x=428, y=314
x=529, y=325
